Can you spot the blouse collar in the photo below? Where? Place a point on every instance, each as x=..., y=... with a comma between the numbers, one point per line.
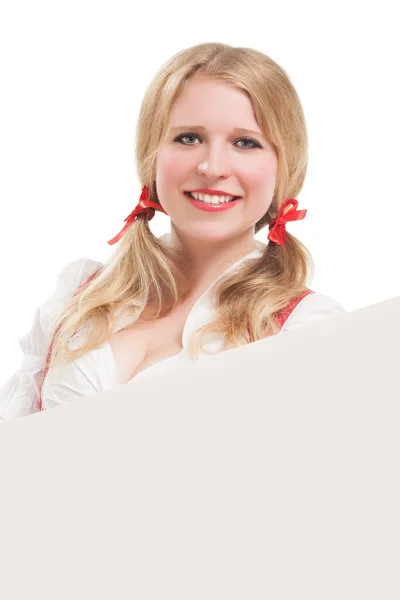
x=202, y=311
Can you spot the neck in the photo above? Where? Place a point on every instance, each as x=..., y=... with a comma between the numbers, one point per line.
x=207, y=260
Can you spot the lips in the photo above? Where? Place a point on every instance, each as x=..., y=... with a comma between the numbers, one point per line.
x=211, y=206
x=213, y=194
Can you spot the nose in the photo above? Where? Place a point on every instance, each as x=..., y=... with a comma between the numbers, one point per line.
x=214, y=163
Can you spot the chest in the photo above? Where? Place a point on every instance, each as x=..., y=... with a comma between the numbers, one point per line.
x=145, y=343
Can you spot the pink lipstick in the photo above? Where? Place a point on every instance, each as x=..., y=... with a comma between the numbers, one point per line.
x=211, y=207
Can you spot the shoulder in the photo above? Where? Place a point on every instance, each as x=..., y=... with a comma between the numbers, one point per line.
x=20, y=395
x=69, y=279
x=311, y=309
x=76, y=272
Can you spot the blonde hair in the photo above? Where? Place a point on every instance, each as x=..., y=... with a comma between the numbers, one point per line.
x=145, y=271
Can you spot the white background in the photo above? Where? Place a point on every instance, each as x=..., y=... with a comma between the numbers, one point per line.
x=73, y=75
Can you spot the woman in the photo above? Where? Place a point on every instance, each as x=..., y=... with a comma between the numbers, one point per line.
x=215, y=120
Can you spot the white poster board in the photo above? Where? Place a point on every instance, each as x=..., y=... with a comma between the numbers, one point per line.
x=269, y=471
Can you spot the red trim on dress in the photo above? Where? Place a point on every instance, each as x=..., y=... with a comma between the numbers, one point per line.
x=284, y=314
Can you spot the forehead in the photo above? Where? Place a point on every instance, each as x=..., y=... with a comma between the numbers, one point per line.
x=212, y=104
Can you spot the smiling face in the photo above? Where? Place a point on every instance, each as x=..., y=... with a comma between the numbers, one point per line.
x=214, y=153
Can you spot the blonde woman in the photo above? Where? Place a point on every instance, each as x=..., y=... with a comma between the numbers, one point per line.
x=221, y=148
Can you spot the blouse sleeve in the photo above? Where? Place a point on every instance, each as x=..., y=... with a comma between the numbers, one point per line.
x=313, y=308
x=20, y=395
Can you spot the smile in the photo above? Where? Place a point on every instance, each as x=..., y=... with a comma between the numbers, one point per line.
x=217, y=203
x=212, y=199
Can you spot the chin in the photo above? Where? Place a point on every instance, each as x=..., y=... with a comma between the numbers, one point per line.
x=210, y=237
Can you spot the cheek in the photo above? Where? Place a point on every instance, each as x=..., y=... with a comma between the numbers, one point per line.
x=261, y=177
x=257, y=182
x=260, y=182
x=170, y=168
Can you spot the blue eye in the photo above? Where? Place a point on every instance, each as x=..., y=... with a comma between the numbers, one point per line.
x=185, y=135
x=256, y=144
x=182, y=136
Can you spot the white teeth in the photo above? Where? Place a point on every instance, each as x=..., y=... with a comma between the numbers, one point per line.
x=211, y=199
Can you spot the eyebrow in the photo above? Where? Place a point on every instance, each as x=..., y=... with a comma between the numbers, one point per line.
x=201, y=128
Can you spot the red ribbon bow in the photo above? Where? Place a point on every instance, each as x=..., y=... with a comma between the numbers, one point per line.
x=144, y=205
x=277, y=233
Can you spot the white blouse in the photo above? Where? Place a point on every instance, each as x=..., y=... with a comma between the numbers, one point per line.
x=96, y=371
